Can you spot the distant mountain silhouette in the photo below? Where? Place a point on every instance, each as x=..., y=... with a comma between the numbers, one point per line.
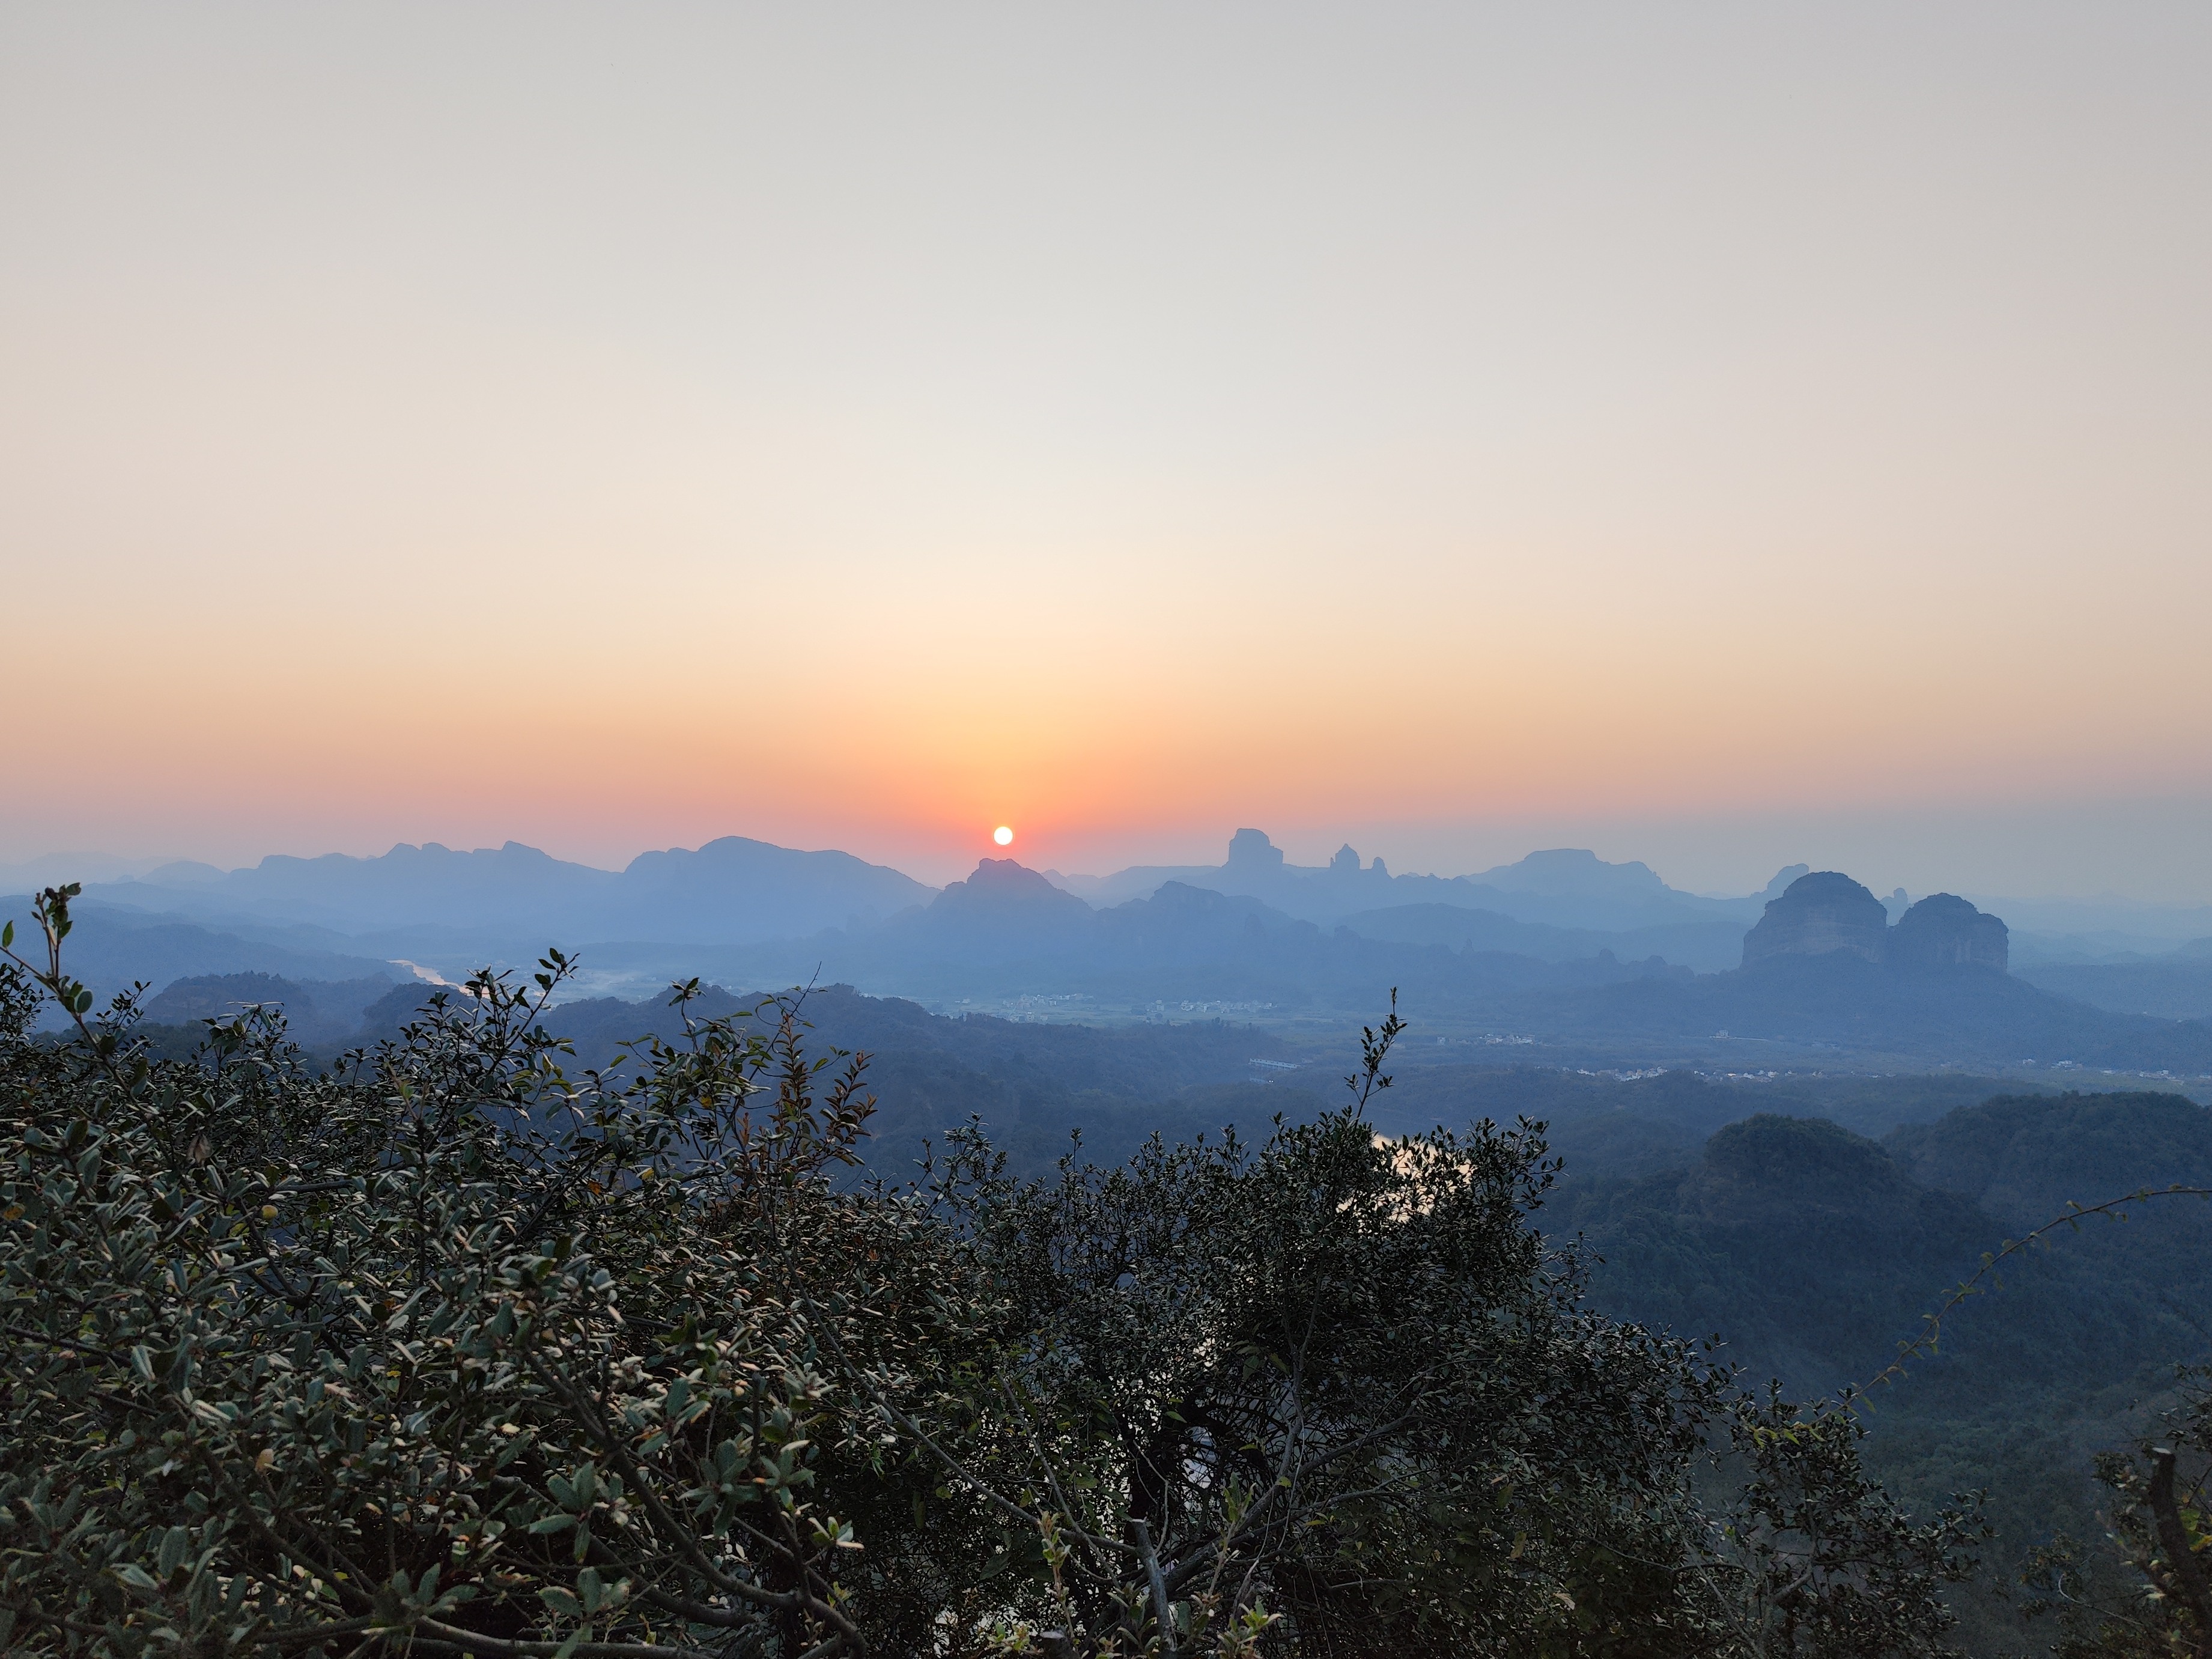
x=1565, y=887
x=1575, y=872
x=1589, y=958
x=730, y=891
x=2180, y=988
x=1007, y=929
x=1826, y=912
x=111, y=947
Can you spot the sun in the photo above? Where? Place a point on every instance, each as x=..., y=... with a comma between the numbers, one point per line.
x=1003, y=835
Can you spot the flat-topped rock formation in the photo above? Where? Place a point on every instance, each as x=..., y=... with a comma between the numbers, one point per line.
x=1818, y=915
x=1827, y=913
x=1945, y=931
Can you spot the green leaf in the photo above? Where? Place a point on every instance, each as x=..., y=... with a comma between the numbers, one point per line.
x=562, y=1601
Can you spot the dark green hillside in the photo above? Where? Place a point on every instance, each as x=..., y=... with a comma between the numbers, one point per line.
x=1603, y=1124
x=321, y=1013
x=1813, y=1251
x=2024, y=1158
x=1804, y=1245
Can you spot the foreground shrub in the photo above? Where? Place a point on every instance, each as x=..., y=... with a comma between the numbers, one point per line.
x=447, y=1350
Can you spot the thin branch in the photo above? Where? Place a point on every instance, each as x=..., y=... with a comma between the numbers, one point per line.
x=1932, y=1325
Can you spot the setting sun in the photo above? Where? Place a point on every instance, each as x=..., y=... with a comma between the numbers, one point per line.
x=1003, y=835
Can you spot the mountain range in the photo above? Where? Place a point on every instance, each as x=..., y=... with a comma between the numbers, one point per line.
x=732, y=890
x=1598, y=962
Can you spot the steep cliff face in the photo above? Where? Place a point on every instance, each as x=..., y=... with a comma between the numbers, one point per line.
x=1823, y=912
x=1251, y=850
x=1827, y=912
x=1945, y=931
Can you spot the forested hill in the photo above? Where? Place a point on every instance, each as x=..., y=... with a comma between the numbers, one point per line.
x=1812, y=1252
x=1814, y=1249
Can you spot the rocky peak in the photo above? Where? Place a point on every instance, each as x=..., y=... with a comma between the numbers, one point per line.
x=1821, y=914
x=1004, y=886
x=1782, y=878
x=1251, y=849
x=1945, y=931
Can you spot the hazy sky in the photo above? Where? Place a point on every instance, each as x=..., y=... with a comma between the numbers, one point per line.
x=1719, y=434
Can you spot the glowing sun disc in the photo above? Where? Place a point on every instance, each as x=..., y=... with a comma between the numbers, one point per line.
x=1003, y=835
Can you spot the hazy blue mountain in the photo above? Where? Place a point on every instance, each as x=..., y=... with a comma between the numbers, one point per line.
x=112, y=946
x=1475, y=971
x=2174, y=984
x=1575, y=872
x=2099, y=929
x=1008, y=930
x=1037, y=1082
x=490, y=886
x=1562, y=887
x=736, y=889
x=2175, y=988
x=517, y=898
x=58, y=869
x=1757, y=1233
x=1644, y=1120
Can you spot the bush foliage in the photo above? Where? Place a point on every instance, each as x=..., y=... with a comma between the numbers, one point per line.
x=457, y=1348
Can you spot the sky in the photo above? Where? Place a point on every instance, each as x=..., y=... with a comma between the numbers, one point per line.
x=1723, y=435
